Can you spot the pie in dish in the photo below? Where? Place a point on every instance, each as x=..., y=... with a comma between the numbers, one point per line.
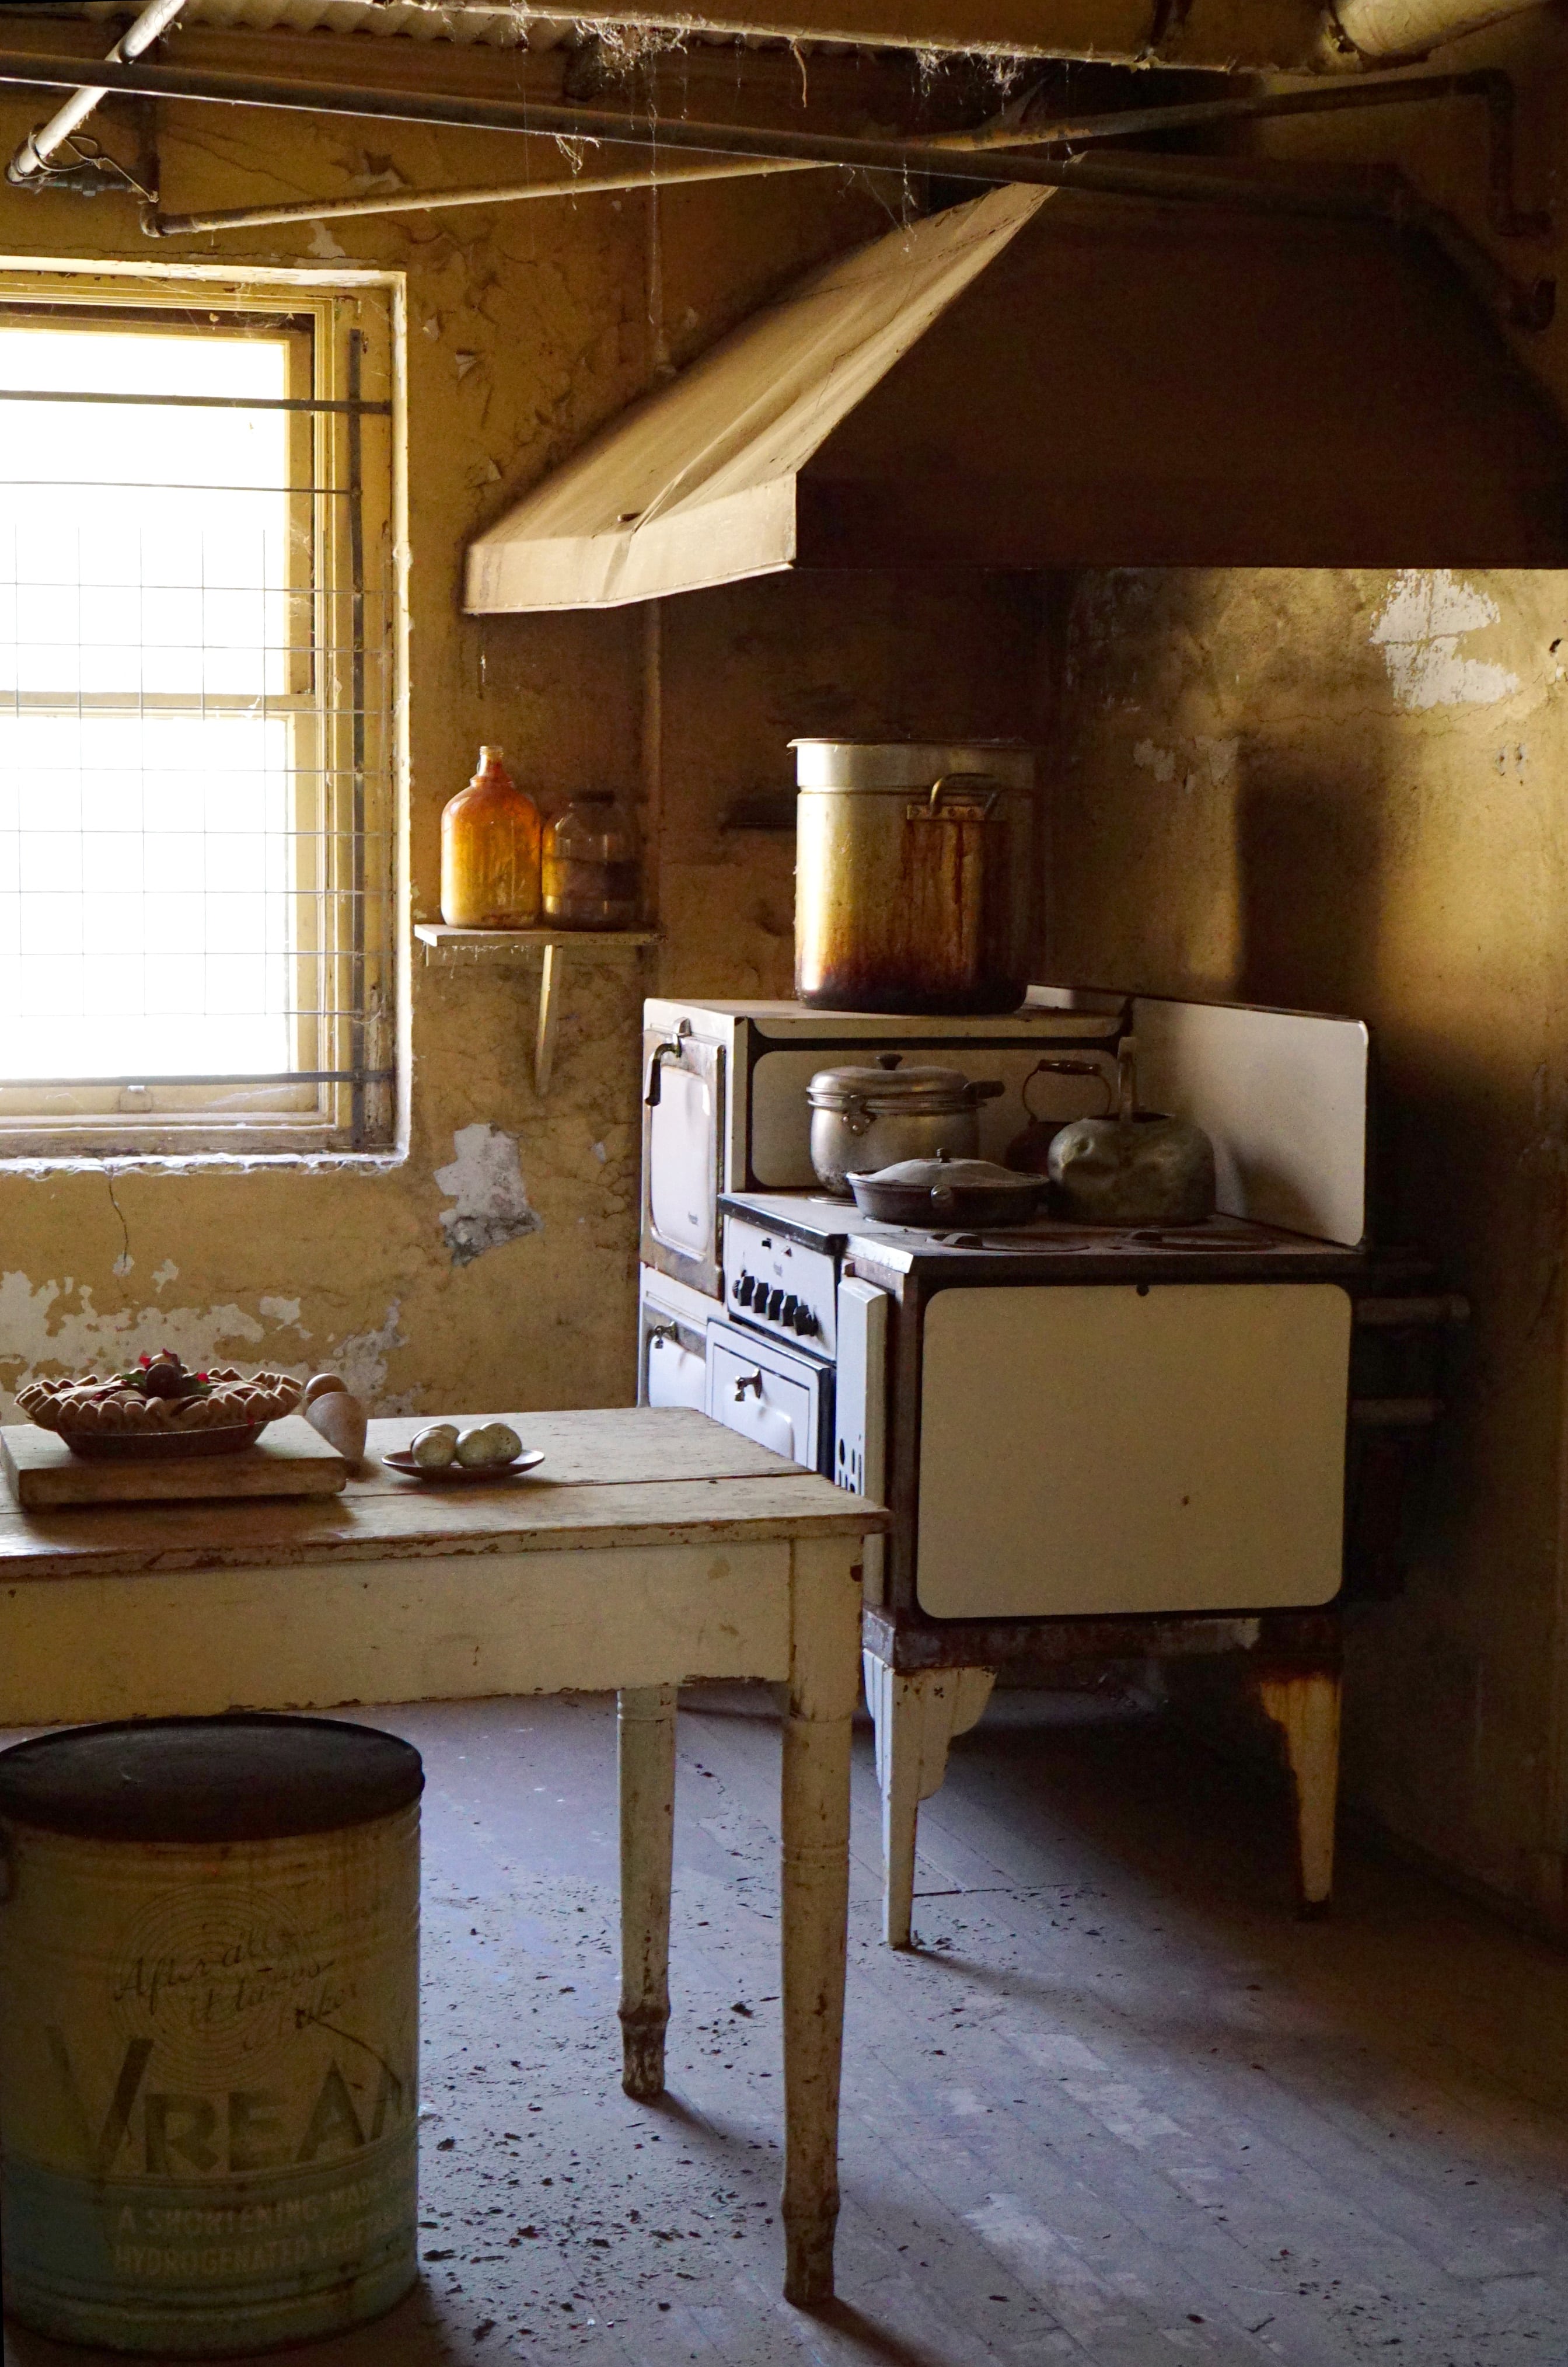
x=157, y=1398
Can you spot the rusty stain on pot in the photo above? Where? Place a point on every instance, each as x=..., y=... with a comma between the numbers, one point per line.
x=913, y=903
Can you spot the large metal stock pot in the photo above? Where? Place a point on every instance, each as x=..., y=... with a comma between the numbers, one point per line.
x=914, y=874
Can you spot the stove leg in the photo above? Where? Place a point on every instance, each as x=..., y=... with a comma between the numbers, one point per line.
x=646, y=1734
x=916, y=1715
x=1304, y=1704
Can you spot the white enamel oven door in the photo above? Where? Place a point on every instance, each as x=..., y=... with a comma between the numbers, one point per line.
x=780, y=1401
x=671, y=1349
x=1174, y=1448
x=683, y=1141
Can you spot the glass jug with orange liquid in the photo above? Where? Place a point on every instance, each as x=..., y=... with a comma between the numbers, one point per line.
x=490, y=851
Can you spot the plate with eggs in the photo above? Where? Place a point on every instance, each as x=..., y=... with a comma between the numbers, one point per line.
x=482, y=1450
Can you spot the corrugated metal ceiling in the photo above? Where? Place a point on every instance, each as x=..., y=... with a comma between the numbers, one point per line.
x=468, y=22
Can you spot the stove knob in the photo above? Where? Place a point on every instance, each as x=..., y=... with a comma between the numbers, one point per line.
x=775, y=1307
x=791, y=1309
x=805, y=1323
x=745, y=1290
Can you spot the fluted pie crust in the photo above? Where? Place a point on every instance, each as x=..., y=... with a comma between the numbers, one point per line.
x=92, y=1407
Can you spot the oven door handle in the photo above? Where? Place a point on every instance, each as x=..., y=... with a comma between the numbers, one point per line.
x=674, y=1049
x=749, y=1381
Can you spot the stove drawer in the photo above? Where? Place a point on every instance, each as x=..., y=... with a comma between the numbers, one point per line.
x=1168, y=1447
x=780, y=1401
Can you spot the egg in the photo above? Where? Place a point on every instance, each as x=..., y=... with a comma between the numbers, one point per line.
x=487, y=1442
x=435, y=1447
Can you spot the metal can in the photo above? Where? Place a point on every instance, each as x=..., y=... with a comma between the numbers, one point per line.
x=209, y=2031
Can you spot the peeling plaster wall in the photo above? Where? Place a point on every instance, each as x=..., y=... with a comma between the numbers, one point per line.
x=1344, y=792
x=495, y=1264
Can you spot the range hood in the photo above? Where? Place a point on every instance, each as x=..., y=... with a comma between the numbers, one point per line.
x=1046, y=379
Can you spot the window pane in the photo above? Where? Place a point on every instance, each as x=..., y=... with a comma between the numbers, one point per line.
x=196, y=603
x=148, y=944
x=142, y=550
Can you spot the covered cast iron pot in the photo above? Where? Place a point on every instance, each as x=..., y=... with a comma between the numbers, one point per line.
x=941, y=1195
x=914, y=870
x=1137, y=1167
x=867, y=1117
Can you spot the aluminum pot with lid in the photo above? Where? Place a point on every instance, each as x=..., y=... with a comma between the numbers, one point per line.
x=914, y=869
x=867, y=1117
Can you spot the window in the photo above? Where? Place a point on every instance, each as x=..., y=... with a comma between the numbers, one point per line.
x=196, y=639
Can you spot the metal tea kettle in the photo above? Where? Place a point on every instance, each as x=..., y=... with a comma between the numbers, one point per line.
x=1028, y=1154
x=1137, y=1167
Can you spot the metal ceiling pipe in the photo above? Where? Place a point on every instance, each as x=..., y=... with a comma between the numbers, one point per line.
x=1216, y=36
x=1489, y=83
x=31, y=159
x=1127, y=177
x=1361, y=32
x=505, y=193
x=1385, y=90
x=1163, y=181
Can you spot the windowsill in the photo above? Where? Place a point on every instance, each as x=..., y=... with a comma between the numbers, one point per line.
x=232, y=1149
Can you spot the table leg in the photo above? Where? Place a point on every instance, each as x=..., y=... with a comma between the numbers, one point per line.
x=823, y=1636
x=646, y=1734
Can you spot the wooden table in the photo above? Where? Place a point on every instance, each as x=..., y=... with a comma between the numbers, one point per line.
x=652, y=1545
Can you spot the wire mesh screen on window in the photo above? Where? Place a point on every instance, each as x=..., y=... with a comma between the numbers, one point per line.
x=195, y=691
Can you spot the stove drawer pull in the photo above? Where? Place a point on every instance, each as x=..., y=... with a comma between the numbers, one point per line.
x=749, y=1381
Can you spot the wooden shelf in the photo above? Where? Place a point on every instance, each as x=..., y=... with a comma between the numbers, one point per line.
x=455, y=946
x=497, y=948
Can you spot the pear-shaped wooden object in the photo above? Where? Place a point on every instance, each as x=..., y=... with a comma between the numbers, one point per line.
x=341, y=1421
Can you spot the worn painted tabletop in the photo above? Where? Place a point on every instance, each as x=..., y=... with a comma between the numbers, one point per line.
x=619, y=1475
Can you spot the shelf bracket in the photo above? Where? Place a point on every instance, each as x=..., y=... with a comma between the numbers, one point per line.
x=520, y=948
x=552, y=971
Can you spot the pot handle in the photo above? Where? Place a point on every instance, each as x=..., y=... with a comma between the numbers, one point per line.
x=855, y=1114
x=965, y=790
x=983, y=1089
x=942, y=1199
x=1067, y=1068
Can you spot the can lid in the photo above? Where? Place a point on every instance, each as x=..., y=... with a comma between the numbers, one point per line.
x=246, y=1777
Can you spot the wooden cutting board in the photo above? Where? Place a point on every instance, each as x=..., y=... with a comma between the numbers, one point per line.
x=289, y=1460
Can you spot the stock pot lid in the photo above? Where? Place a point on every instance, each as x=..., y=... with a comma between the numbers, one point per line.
x=890, y=1088
x=905, y=764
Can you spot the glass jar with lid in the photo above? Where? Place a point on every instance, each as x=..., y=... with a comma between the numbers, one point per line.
x=490, y=851
x=590, y=876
